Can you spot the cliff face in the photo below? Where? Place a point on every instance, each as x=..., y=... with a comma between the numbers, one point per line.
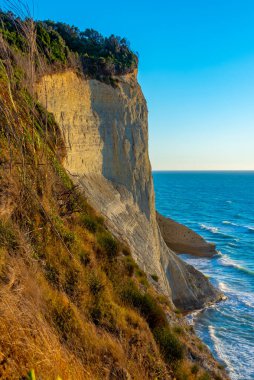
x=106, y=136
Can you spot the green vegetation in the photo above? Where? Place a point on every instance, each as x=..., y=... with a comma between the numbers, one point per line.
x=170, y=346
x=89, y=222
x=7, y=236
x=100, y=56
x=73, y=301
x=60, y=45
x=108, y=244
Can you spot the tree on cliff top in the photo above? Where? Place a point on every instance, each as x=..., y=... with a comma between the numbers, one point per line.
x=61, y=45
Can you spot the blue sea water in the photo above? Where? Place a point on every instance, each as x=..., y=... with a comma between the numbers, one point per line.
x=220, y=207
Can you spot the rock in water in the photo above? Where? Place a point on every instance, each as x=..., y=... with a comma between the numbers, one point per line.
x=182, y=239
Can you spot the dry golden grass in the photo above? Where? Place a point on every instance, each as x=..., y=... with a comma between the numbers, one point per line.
x=62, y=276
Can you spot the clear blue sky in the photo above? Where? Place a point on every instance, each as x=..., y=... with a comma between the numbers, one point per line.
x=196, y=71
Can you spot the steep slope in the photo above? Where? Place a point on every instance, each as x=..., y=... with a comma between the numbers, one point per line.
x=182, y=239
x=106, y=136
x=73, y=303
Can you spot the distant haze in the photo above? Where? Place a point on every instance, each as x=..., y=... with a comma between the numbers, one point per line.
x=196, y=71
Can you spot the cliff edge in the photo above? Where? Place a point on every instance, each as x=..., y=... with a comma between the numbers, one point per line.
x=105, y=130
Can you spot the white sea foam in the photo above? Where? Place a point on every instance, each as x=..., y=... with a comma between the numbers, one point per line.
x=226, y=261
x=215, y=230
x=219, y=348
x=230, y=223
x=248, y=300
x=223, y=287
x=212, y=229
x=250, y=228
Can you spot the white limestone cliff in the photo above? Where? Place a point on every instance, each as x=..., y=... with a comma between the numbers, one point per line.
x=105, y=130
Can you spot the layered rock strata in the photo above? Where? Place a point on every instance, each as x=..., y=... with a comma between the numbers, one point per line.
x=106, y=135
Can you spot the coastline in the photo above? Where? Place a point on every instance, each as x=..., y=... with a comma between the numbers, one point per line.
x=219, y=207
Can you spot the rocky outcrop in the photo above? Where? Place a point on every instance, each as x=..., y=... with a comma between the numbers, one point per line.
x=182, y=239
x=106, y=136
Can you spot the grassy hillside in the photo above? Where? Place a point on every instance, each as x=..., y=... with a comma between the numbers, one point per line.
x=73, y=303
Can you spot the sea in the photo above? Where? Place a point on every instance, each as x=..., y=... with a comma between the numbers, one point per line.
x=220, y=207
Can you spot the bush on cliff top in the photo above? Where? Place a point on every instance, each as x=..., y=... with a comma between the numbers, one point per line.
x=63, y=45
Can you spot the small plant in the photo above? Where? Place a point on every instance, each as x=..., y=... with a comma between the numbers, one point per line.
x=200, y=347
x=52, y=274
x=64, y=319
x=194, y=369
x=170, y=346
x=178, y=330
x=205, y=376
x=85, y=258
x=7, y=236
x=96, y=285
x=31, y=375
x=146, y=305
x=107, y=244
x=130, y=265
x=71, y=281
x=89, y=223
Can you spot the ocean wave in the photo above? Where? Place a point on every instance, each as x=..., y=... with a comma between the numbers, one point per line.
x=247, y=300
x=249, y=228
x=218, y=347
x=230, y=223
x=233, y=244
x=215, y=231
x=223, y=287
x=226, y=261
x=236, y=295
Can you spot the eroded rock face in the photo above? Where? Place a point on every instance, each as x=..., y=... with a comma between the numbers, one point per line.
x=106, y=136
x=182, y=239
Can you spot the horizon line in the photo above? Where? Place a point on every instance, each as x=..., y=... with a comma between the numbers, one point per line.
x=205, y=170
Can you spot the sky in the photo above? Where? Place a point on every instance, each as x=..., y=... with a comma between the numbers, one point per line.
x=196, y=70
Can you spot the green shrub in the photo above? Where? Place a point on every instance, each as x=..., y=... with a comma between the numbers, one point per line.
x=71, y=282
x=178, y=330
x=85, y=258
x=130, y=266
x=107, y=244
x=103, y=313
x=96, y=284
x=170, y=346
x=146, y=304
x=205, y=376
x=52, y=274
x=89, y=223
x=68, y=237
x=194, y=369
x=64, y=320
x=7, y=236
